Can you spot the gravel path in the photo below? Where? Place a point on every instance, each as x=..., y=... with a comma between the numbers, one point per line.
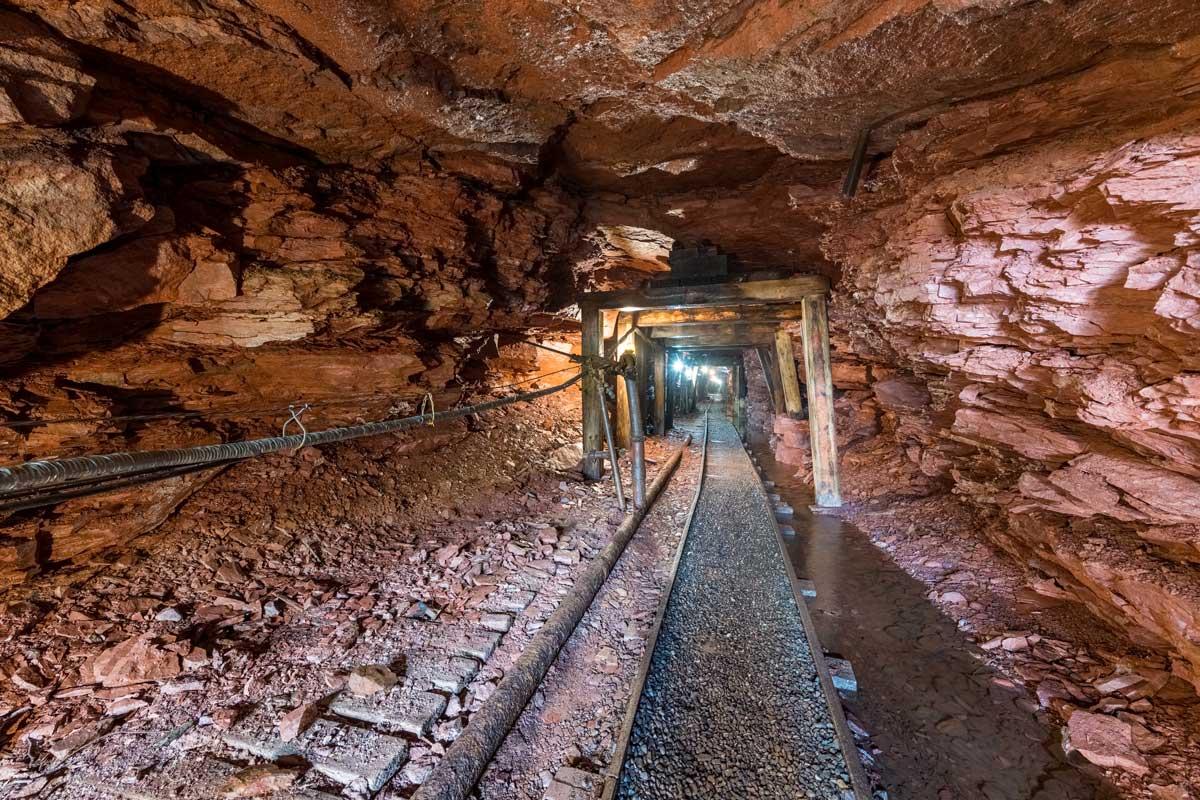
x=732, y=707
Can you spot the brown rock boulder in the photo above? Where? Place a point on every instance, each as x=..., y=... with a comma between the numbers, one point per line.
x=135, y=660
x=1105, y=741
x=57, y=198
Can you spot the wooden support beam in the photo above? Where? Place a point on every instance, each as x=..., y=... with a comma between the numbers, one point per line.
x=593, y=425
x=770, y=368
x=787, y=372
x=643, y=350
x=822, y=431
x=781, y=290
x=716, y=314
x=660, y=389
x=730, y=343
x=723, y=329
x=621, y=430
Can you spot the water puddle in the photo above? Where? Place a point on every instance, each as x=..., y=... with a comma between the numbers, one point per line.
x=946, y=729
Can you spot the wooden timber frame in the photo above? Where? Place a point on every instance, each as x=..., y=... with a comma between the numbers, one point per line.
x=726, y=319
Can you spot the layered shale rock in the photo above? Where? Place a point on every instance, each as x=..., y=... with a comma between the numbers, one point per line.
x=1043, y=298
x=229, y=206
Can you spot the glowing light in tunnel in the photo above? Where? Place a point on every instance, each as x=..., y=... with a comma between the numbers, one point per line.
x=678, y=365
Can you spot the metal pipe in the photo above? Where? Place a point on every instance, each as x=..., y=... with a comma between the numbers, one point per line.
x=40, y=474
x=456, y=775
x=612, y=451
x=637, y=443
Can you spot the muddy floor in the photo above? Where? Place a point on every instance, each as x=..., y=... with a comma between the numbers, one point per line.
x=970, y=669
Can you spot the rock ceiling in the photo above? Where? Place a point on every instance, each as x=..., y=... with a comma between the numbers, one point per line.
x=730, y=121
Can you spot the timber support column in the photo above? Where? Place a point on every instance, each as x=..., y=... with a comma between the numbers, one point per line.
x=660, y=390
x=790, y=383
x=820, y=403
x=593, y=424
x=770, y=369
x=643, y=353
x=621, y=429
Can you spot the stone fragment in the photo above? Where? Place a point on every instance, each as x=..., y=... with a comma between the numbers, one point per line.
x=1105, y=741
x=265, y=779
x=298, y=720
x=606, y=661
x=842, y=674
x=369, y=679
x=1118, y=683
x=1014, y=644
x=135, y=660
x=169, y=615
x=128, y=705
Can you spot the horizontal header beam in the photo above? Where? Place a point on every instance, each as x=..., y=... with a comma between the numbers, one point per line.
x=781, y=290
x=717, y=314
x=701, y=332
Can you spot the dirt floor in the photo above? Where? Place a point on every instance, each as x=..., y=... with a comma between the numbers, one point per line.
x=287, y=582
x=1116, y=704
x=271, y=588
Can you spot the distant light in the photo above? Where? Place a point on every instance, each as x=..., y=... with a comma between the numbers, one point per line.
x=678, y=365
x=691, y=373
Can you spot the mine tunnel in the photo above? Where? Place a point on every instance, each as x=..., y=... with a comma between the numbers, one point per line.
x=600, y=400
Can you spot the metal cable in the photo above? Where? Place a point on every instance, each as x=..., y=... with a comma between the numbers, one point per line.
x=42, y=474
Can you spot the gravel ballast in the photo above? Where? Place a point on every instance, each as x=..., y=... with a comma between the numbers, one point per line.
x=732, y=706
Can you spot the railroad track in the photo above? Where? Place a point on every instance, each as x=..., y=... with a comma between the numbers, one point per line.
x=730, y=700
x=734, y=698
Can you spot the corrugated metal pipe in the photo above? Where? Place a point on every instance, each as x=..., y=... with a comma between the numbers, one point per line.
x=37, y=475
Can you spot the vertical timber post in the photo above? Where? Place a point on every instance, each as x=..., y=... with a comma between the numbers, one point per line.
x=593, y=425
x=660, y=390
x=787, y=370
x=621, y=412
x=820, y=403
x=643, y=350
x=738, y=386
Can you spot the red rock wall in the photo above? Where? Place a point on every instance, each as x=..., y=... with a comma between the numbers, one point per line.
x=152, y=262
x=1030, y=267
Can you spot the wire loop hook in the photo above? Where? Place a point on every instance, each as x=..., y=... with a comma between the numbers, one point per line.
x=296, y=413
x=427, y=401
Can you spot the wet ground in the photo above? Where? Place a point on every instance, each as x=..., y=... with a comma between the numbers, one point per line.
x=946, y=725
x=732, y=706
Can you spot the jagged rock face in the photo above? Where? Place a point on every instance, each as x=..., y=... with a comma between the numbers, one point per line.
x=229, y=203
x=1044, y=297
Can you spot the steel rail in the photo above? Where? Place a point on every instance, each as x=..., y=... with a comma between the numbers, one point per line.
x=51, y=473
x=456, y=775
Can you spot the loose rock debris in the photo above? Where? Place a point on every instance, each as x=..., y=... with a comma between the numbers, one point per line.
x=264, y=645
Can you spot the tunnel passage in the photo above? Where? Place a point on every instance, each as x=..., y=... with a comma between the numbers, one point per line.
x=940, y=256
